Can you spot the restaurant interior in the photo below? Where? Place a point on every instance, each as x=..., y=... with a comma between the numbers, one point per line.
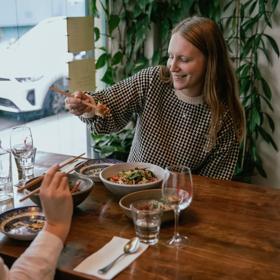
x=81, y=199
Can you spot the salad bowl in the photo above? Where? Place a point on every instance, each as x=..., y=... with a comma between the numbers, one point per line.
x=125, y=178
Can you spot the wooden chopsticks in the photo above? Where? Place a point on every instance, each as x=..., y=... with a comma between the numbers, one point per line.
x=100, y=109
x=40, y=178
x=38, y=189
x=68, y=94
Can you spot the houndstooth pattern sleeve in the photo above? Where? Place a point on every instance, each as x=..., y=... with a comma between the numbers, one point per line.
x=123, y=99
x=223, y=158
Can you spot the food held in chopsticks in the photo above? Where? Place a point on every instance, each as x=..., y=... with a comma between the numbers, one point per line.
x=100, y=109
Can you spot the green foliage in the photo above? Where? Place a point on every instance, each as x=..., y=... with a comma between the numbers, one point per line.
x=244, y=24
x=249, y=40
x=109, y=145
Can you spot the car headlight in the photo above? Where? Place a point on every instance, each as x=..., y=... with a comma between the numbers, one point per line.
x=29, y=79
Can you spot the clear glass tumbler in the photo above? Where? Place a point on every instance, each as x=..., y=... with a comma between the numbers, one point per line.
x=21, y=142
x=147, y=219
x=6, y=182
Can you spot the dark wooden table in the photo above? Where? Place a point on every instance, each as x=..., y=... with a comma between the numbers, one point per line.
x=234, y=232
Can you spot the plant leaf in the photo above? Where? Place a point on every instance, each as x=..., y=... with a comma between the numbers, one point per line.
x=101, y=61
x=270, y=122
x=267, y=138
x=108, y=77
x=117, y=58
x=266, y=88
x=114, y=21
x=96, y=33
x=272, y=43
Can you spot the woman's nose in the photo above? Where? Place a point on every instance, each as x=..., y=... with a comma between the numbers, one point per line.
x=173, y=65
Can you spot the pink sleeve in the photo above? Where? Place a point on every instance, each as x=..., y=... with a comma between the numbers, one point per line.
x=39, y=260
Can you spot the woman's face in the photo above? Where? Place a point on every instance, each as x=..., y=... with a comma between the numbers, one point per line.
x=187, y=65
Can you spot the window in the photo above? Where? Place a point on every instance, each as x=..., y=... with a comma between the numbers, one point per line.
x=33, y=55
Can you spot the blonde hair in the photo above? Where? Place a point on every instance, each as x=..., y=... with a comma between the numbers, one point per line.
x=220, y=90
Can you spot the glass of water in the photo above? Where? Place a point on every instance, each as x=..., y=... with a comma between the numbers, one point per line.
x=21, y=142
x=147, y=218
x=6, y=183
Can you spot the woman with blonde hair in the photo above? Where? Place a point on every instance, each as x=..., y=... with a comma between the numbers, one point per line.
x=188, y=112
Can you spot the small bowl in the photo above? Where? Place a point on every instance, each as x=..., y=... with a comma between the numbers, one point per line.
x=93, y=170
x=123, y=189
x=22, y=223
x=85, y=186
x=125, y=201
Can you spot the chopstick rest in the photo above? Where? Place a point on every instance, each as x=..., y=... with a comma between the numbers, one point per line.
x=105, y=255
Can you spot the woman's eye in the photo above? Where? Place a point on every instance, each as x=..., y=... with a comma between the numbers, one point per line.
x=185, y=59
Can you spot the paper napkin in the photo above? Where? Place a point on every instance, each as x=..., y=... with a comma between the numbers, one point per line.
x=107, y=254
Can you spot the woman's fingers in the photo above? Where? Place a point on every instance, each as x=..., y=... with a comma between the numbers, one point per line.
x=57, y=179
x=49, y=175
x=75, y=104
x=64, y=186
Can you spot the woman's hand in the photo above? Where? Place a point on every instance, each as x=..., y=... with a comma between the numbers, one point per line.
x=75, y=104
x=82, y=103
x=57, y=202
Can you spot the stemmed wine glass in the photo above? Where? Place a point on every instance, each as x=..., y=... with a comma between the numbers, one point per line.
x=21, y=142
x=177, y=191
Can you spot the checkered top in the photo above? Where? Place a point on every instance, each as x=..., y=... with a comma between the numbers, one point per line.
x=168, y=131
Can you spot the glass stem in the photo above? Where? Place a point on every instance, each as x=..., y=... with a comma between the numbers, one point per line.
x=176, y=218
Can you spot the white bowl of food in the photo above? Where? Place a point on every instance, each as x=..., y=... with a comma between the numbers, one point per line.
x=124, y=178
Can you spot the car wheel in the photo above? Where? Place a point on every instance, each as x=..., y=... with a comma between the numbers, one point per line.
x=54, y=103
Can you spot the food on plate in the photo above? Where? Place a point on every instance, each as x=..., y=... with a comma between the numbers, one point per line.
x=135, y=176
x=32, y=225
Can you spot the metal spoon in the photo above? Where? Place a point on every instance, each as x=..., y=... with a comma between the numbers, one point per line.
x=129, y=248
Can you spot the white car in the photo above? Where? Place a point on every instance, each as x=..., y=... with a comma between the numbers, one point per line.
x=31, y=65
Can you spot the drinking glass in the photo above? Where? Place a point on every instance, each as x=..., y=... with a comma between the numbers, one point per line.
x=147, y=218
x=21, y=142
x=177, y=191
x=6, y=181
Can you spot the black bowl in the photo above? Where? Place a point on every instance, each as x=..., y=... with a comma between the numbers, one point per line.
x=85, y=187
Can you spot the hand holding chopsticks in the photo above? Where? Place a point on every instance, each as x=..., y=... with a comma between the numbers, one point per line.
x=57, y=203
x=99, y=109
x=40, y=178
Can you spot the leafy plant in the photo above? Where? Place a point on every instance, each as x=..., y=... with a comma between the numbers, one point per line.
x=244, y=24
x=114, y=144
x=250, y=44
